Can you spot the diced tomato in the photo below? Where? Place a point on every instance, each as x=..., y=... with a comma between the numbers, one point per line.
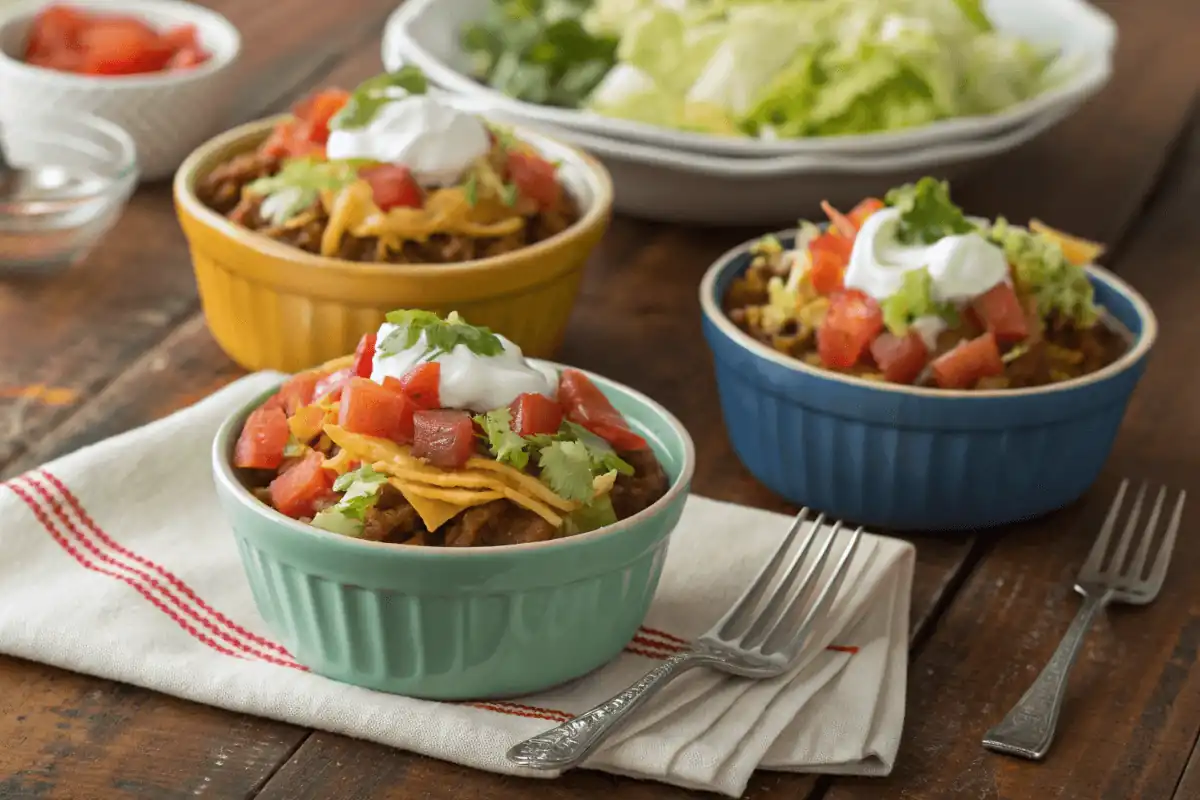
x=535, y=178
x=999, y=310
x=826, y=271
x=288, y=141
x=443, y=437
x=963, y=366
x=865, y=208
x=123, y=46
x=534, y=413
x=332, y=384
x=833, y=243
x=297, y=392
x=392, y=186
x=586, y=405
x=852, y=322
x=364, y=355
x=182, y=37
x=421, y=384
x=372, y=410
x=263, y=437
x=317, y=110
x=187, y=58
x=900, y=358
x=302, y=486
x=55, y=28
x=841, y=223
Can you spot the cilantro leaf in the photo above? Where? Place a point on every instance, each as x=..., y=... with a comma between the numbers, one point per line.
x=926, y=212
x=604, y=458
x=298, y=185
x=506, y=445
x=441, y=336
x=567, y=470
x=374, y=93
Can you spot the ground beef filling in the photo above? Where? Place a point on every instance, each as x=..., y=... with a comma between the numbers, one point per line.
x=221, y=190
x=501, y=522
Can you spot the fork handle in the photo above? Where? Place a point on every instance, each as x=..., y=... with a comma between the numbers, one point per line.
x=571, y=743
x=1028, y=730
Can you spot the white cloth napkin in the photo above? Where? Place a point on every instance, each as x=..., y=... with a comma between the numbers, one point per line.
x=119, y=564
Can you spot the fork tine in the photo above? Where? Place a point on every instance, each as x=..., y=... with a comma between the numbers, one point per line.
x=820, y=608
x=753, y=593
x=1138, y=567
x=808, y=586
x=1159, y=571
x=1100, y=547
x=1131, y=530
x=762, y=625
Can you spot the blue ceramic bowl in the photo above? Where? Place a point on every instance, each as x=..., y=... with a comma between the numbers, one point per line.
x=912, y=458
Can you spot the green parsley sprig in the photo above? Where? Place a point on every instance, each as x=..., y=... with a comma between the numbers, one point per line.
x=374, y=93
x=441, y=335
x=926, y=212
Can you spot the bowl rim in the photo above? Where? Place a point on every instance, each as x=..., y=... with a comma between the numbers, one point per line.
x=712, y=311
x=25, y=11
x=401, y=44
x=223, y=471
x=127, y=170
x=594, y=216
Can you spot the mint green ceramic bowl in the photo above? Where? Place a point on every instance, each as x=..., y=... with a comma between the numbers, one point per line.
x=458, y=624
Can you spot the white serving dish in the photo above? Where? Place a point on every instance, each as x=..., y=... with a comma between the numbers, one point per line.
x=652, y=182
x=168, y=114
x=425, y=33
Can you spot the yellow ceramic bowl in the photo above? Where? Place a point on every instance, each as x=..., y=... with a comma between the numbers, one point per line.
x=272, y=306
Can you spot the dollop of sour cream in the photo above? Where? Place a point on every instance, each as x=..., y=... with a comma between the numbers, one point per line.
x=437, y=142
x=469, y=380
x=962, y=266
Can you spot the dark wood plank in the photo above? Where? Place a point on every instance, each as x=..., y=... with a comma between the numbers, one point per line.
x=1132, y=713
x=1189, y=785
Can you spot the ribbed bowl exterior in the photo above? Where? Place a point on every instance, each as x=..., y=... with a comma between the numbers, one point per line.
x=271, y=306
x=453, y=624
x=917, y=461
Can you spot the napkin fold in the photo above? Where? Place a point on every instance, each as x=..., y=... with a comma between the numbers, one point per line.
x=119, y=564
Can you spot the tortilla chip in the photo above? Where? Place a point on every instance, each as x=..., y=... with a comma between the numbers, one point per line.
x=494, y=491
x=435, y=511
x=1079, y=252
x=479, y=473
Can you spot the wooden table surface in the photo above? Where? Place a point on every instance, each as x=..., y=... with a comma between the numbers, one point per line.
x=123, y=340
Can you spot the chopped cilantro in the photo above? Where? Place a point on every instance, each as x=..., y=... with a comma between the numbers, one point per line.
x=914, y=299
x=360, y=492
x=567, y=470
x=298, y=185
x=926, y=212
x=374, y=93
x=441, y=335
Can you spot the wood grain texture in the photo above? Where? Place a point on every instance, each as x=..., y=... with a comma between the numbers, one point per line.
x=1132, y=712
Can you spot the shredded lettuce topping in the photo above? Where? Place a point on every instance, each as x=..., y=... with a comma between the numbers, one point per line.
x=568, y=460
x=1040, y=268
x=298, y=185
x=913, y=300
x=361, y=492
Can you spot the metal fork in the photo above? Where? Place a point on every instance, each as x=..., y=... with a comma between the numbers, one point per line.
x=747, y=641
x=1028, y=730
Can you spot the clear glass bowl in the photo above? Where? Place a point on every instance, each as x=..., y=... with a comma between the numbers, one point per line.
x=82, y=171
